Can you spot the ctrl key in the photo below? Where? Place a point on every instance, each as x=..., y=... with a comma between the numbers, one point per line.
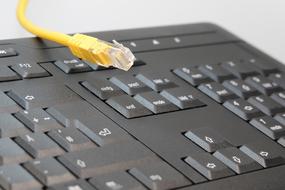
x=127, y=106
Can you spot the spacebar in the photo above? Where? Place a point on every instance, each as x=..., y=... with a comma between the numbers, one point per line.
x=268, y=179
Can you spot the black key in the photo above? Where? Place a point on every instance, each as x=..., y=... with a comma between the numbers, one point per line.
x=206, y=138
x=129, y=84
x=279, y=97
x=155, y=102
x=98, y=161
x=38, y=145
x=29, y=70
x=7, y=105
x=11, y=153
x=269, y=126
x=102, y=88
x=240, y=88
x=37, y=120
x=71, y=139
x=192, y=75
x=159, y=176
x=243, y=109
x=97, y=67
x=73, y=185
x=240, y=69
x=116, y=181
x=14, y=177
x=263, y=85
x=8, y=52
x=42, y=95
x=72, y=66
x=264, y=67
x=279, y=78
x=282, y=141
x=156, y=81
x=11, y=127
x=182, y=97
x=265, y=153
x=6, y=74
x=217, y=92
x=216, y=72
x=208, y=165
x=266, y=104
x=49, y=171
x=280, y=117
x=128, y=107
x=236, y=160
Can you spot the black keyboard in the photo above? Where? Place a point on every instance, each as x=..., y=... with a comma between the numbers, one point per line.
x=200, y=109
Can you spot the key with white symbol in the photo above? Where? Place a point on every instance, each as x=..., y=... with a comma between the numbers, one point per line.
x=192, y=75
x=72, y=66
x=30, y=70
x=73, y=185
x=263, y=84
x=208, y=165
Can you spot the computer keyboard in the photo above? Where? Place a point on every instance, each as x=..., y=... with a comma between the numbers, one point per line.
x=200, y=109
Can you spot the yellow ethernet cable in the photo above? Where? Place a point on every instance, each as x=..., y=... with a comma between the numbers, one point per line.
x=85, y=47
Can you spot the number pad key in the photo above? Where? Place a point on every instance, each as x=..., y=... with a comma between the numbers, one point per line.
x=217, y=92
x=264, y=85
x=240, y=69
x=216, y=72
x=240, y=88
x=192, y=75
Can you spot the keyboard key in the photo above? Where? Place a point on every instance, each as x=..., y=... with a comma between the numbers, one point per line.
x=266, y=104
x=7, y=52
x=73, y=185
x=97, y=67
x=280, y=117
x=11, y=127
x=263, y=85
x=269, y=126
x=155, y=102
x=279, y=97
x=30, y=70
x=282, y=141
x=240, y=88
x=98, y=161
x=264, y=67
x=158, y=176
x=208, y=165
x=217, y=92
x=14, y=177
x=49, y=171
x=42, y=95
x=192, y=75
x=72, y=66
x=182, y=97
x=37, y=120
x=129, y=84
x=71, y=139
x=6, y=74
x=11, y=153
x=102, y=88
x=240, y=69
x=216, y=72
x=279, y=78
x=237, y=160
x=7, y=105
x=118, y=181
x=156, y=81
x=243, y=109
x=128, y=107
x=265, y=153
x=38, y=145
x=206, y=138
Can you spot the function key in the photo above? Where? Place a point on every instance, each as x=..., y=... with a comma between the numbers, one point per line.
x=242, y=108
x=6, y=74
x=206, y=138
x=263, y=84
x=279, y=78
x=282, y=141
x=240, y=88
x=7, y=52
x=72, y=66
x=129, y=84
x=237, y=160
x=279, y=97
x=216, y=72
x=264, y=67
x=29, y=70
x=127, y=106
x=280, y=117
x=181, y=97
x=156, y=81
x=240, y=69
x=266, y=104
x=102, y=88
x=217, y=92
x=208, y=165
x=191, y=75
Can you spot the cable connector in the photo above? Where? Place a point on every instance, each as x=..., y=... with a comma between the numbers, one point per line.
x=101, y=52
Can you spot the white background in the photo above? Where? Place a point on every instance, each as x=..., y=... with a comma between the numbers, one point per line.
x=260, y=22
